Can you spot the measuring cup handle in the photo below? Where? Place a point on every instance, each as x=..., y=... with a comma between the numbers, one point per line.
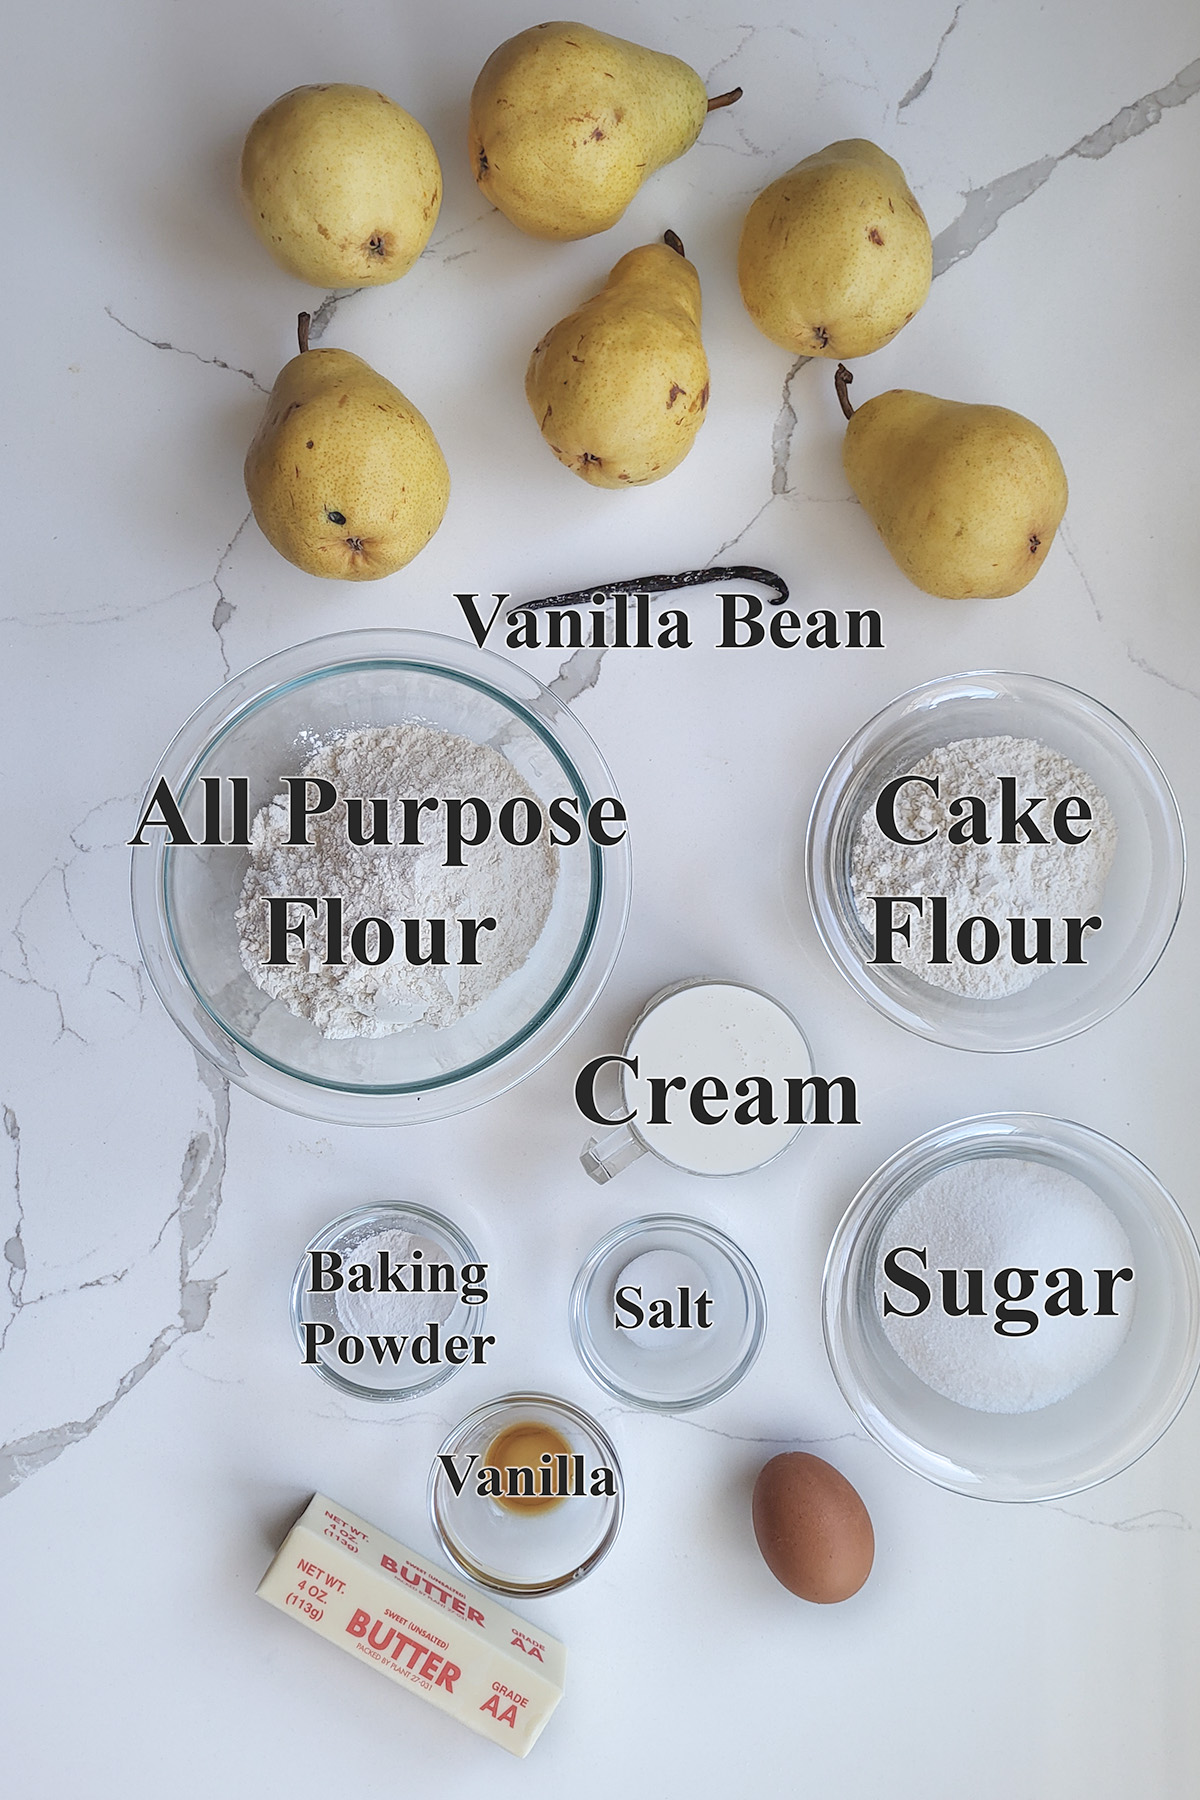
x=604, y=1157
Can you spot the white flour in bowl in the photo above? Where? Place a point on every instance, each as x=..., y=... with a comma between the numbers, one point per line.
x=995, y=881
x=513, y=884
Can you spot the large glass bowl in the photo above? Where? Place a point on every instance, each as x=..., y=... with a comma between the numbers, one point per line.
x=264, y=725
x=1142, y=895
x=1097, y=1430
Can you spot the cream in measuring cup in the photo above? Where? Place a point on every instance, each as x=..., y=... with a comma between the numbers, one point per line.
x=713, y=1079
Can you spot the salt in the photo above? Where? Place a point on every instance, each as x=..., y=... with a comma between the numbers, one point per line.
x=994, y=1214
x=659, y=1274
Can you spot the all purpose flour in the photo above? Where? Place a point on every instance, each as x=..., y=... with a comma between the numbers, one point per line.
x=514, y=884
x=995, y=881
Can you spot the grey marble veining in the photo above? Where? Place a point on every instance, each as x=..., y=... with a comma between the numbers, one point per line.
x=149, y=1219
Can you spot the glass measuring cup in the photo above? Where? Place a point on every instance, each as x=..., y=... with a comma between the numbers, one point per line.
x=711, y=1080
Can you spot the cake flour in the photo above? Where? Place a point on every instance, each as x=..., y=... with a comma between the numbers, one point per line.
x=993, y=881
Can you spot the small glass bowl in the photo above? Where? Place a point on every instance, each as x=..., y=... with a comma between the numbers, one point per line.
x=525, y=1553
x=1091, y=1434
x=1142, y=896
x=669, y=1369
x=350, y=1236
x=264, y=725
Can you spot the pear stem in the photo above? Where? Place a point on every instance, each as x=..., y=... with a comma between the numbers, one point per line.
x=728, y=99
x=674, y=242
x=664, y=584
x=302, y=325
x=841, y=381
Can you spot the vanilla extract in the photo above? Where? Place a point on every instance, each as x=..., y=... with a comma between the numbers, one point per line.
x=529, y=1467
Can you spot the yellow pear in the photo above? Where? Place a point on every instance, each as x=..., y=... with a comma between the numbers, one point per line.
x=619, y=387
x=835, y=256
x=967, y=498
x=567, y=122
x=344, y=475
x=341, y=184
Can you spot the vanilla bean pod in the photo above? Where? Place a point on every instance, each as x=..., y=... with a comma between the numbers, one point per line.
x=664, y=584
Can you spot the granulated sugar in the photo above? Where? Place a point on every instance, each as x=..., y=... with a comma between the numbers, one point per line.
x=994, y=1214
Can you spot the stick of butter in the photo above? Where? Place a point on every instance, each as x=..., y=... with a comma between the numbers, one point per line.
x=451, y=1644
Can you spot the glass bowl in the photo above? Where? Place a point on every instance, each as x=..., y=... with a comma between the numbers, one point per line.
x=1097, y=1430
x=1141, y=898
x=684, y=1365
x=533, y=1551
x=350, y=1359
x=264, y=725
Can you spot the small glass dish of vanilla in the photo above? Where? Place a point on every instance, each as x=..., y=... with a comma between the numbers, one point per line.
x=526, y=1494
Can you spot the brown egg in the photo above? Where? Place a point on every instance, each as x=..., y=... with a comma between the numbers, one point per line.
x=813, y=1530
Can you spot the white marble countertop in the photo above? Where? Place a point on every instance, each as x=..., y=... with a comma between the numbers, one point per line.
x=157, y=1431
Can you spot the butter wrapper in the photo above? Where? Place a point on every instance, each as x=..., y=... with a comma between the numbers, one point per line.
x=399, y=1613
